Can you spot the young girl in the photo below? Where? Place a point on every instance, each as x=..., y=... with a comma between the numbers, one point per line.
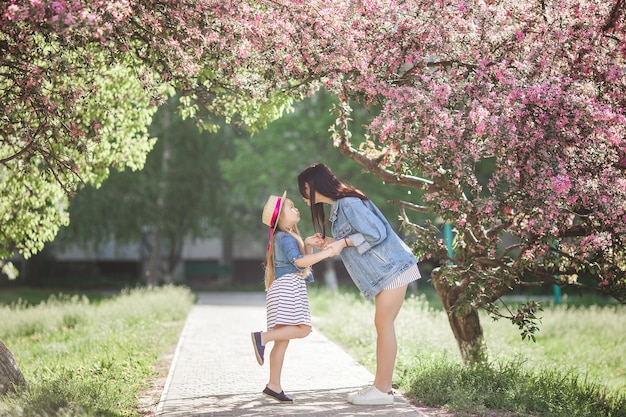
x=378, y=261
x=289, y=258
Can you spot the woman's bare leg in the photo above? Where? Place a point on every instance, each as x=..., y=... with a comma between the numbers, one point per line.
x=388, y=304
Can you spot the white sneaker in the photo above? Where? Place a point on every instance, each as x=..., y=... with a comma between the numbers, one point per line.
x=361, y=392
x=371, y=396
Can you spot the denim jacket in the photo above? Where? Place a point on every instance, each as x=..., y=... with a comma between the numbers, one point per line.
x=378, y=255
x=286, y=252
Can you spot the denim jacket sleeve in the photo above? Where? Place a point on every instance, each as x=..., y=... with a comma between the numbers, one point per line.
x=370, y=230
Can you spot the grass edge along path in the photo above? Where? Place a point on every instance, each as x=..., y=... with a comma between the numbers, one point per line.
x=83, y=358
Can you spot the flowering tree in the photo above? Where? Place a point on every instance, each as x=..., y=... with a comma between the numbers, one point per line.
x=530, y=91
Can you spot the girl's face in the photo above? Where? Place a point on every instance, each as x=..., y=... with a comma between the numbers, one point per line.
x=290, y=214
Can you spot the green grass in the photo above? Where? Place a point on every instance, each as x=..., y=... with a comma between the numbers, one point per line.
x=575, y=369
x=33, y=296
x=84, y=358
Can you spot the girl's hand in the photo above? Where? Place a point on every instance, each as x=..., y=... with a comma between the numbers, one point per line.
x=315, y=240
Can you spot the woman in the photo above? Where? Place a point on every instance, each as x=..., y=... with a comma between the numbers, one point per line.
x=378, y=261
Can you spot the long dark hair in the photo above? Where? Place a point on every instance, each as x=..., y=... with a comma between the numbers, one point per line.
x=321, y=179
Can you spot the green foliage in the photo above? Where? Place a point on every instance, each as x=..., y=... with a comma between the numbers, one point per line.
x=526, y=319
x=258, y=115
x=105, y=126
x=179, y=192
x=208, y=184
x=86, y=359
x=32, y=296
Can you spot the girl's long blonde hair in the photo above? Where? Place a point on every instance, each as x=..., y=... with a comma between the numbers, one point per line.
x=269, y=263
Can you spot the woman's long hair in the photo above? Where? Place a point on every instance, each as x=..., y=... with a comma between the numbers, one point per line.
x=270, y=271
x=321, y=179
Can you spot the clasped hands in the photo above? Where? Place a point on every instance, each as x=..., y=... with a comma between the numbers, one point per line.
x=335, y=246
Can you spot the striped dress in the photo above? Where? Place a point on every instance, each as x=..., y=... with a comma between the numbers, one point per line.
x=287, y=302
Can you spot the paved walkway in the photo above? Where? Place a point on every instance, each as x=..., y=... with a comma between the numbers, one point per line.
x=214, y=371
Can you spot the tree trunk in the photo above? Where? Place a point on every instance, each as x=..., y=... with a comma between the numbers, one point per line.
x=10, y=374
x=465, y=326
x=226, y=275
x=152, y=274
x=175, y=267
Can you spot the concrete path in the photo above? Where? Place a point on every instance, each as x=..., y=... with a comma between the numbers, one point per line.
x=214, y=371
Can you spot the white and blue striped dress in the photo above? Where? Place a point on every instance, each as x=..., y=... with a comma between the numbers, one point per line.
x=287, y=302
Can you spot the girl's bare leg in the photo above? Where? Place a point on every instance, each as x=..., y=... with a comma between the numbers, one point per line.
x=388, y=304
x=280, y=335
x=283, y=332
x=277, y=357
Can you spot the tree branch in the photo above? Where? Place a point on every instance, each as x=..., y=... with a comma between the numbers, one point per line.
x=373, y=166
x=614, y=15
x=410, y=206
x=26, y=149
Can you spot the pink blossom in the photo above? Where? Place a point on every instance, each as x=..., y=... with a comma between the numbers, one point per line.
x=561, y=184
x=58, y=7
x=12, y=12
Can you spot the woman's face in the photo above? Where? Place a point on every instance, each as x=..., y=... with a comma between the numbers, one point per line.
x=307, y=197
x=319, y=198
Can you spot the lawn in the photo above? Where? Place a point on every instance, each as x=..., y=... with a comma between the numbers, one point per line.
x=578, y=357
x=90, y=358
x=94, y=355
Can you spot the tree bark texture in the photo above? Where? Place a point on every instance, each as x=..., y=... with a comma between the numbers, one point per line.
x=465, y=326
x=10, y=374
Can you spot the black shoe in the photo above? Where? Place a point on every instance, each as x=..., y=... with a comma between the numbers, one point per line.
x=259, y=349
x=278, y=396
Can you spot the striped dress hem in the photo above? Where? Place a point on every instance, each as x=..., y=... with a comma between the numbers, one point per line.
x=410, y=275
x=287, y=302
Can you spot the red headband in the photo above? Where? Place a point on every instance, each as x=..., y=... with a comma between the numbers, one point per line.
x=276, y=210
x=273, y=223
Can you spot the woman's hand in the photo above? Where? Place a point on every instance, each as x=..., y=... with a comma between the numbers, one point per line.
x=336, y=246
